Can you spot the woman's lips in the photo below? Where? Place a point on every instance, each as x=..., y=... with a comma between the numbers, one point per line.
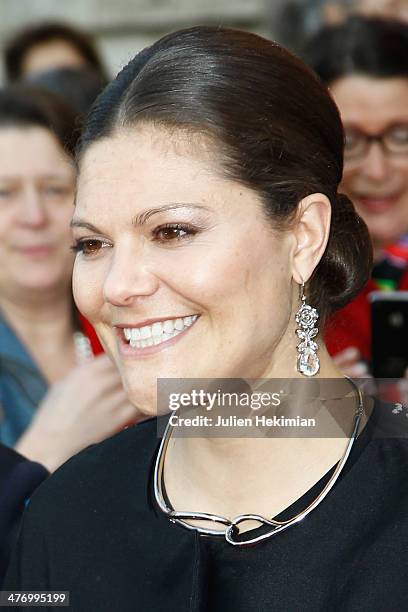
x=126, y=350
x=377, y=205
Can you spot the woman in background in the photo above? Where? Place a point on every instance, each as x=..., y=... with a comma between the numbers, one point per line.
x=364, y=62
x=54, y=398
x=49, y=46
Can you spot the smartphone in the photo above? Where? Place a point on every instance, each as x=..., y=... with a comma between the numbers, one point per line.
x=389, y=333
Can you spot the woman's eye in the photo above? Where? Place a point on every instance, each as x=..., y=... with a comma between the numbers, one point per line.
x=399, y=134
x=352, y=141
x=89, y=247
x=55, y=191
x=173, y=232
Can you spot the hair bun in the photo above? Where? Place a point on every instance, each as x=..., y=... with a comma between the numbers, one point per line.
x=346, y=264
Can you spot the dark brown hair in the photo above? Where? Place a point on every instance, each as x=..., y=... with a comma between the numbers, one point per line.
x=21, y=44
x=25, y=106
x=374, y=47
x=278, y=130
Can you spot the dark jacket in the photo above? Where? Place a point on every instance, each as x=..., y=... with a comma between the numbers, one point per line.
x=94, y=529
x=19, y=477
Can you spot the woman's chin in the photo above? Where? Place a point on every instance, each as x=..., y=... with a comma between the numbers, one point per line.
x=145, y=403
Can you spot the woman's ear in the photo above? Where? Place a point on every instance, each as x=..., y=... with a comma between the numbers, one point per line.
x=311, y=233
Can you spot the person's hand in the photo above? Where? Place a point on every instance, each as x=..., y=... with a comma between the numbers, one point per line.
x=87, y=406
x=350, y=362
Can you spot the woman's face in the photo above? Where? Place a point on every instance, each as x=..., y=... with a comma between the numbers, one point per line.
x=378, y=181
x=51, y=55
x=37, y=182
x=179, y=260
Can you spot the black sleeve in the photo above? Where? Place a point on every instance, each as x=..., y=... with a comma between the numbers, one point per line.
x=18, y=480
x=28, y=568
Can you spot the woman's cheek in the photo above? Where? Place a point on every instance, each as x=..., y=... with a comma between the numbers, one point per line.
x=85, y=290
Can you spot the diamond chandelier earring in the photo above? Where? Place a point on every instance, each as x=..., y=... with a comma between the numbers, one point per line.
x=306, y=317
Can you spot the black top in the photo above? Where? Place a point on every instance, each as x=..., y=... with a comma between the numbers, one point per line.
x=94, y=529
x=18, y=479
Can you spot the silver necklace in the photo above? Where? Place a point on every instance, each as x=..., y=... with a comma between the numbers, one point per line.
x=231, y=530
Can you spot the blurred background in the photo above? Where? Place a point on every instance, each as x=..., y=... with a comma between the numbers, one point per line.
x=122, y=27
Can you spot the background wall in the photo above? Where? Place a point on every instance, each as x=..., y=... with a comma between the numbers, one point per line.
x=122, y=27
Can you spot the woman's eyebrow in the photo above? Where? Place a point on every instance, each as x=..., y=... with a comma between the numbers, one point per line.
x=143, y=217
x=85, y=224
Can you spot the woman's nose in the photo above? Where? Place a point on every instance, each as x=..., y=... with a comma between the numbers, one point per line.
x=376, y=164
x=33, y=210
x=127, y=278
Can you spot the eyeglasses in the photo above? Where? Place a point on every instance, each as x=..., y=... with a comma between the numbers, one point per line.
x=393, y=140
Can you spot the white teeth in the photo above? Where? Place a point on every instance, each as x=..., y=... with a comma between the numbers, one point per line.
x=190, y=320
x=168, y=327
x=135, y=334
x=178, y=324
x=151, y=335
x=145, y=332
x=157, y=329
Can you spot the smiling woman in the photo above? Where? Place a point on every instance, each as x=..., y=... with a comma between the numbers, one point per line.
x=207, y=196
x=37, y=182
x=44, y=355
x=364, y=62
